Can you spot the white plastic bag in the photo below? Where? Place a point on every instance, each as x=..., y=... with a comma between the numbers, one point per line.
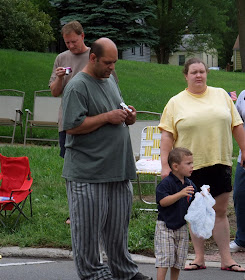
x=201, y=214
x=149, y=165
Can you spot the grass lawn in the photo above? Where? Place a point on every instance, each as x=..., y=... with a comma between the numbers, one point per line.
x=47, y=227
x=146, y=86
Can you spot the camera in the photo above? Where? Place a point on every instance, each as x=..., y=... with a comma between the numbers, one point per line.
x=125, y=107
x=68, y=70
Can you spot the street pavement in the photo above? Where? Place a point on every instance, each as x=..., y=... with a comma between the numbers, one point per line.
x=57, y=264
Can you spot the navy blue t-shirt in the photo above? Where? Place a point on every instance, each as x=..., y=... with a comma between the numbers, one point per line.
x=173, y=215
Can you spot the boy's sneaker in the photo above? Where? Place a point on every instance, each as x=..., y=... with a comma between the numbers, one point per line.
x=140, y=276
x=235, y=248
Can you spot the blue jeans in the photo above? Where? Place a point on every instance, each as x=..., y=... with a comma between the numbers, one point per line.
x=239, y=204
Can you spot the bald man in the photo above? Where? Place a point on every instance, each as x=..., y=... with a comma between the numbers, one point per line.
x=98, y=167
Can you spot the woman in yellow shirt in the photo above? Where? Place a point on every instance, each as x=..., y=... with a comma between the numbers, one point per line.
x=203, y=119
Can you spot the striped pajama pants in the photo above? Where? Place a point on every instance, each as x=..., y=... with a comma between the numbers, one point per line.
x=100, y=213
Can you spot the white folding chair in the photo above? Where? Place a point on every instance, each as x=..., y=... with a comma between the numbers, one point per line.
x=149, y=154
x=44, y=115
x=11, y=105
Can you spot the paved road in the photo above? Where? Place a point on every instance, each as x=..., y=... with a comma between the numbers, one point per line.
x=64, y=269
x=37, y=269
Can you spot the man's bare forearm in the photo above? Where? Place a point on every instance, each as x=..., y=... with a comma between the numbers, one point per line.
x=57, y=87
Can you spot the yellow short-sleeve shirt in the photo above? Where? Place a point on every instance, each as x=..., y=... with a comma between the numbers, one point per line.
x=203, y=124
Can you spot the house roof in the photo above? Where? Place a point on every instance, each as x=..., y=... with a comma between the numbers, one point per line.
x=185, y=43
x=236, y=45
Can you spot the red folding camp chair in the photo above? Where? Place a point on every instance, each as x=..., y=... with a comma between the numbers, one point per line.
x=15, y=187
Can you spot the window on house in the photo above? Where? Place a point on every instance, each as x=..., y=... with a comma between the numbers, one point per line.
x=181, y=60
x=133, y=51
x=141, y=49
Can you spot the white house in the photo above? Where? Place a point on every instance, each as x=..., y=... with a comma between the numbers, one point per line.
x=183, y=53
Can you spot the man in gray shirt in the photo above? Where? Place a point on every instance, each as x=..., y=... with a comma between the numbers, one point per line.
x=98, y=166
x=76, y=57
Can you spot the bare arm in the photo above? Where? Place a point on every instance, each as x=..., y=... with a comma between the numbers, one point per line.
x=171, y=199
x=167, y=141
x=239, y=135
x=57, y=85
x=92, y=123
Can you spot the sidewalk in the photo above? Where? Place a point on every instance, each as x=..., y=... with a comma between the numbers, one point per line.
x=211, y=260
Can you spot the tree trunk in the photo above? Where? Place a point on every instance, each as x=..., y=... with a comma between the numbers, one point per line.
x=162, y=55
x=241, y=28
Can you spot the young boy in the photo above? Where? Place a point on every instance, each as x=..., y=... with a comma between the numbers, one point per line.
x=173, y=196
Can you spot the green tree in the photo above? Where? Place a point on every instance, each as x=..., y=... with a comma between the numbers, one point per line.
x=46, y=7
x=241, y=27
x=23, y=26
x=176, y=18
x=123, y=21
x=229, y=35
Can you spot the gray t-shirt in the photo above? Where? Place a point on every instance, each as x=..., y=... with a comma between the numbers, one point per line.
x=77, y=62
x=104, y=155
x=68, y=59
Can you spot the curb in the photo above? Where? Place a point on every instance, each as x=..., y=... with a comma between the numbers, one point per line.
x=211, y=260
x=56, y=254
x=35, y=252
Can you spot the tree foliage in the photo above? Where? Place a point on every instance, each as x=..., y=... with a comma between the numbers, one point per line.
x=178, y=17
x=241, y=27
x=23, y=26
x=123, y=21
x=228, y=36
x=46, y=7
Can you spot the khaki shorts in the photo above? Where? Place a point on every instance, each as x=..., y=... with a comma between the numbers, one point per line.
x=171, y=246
